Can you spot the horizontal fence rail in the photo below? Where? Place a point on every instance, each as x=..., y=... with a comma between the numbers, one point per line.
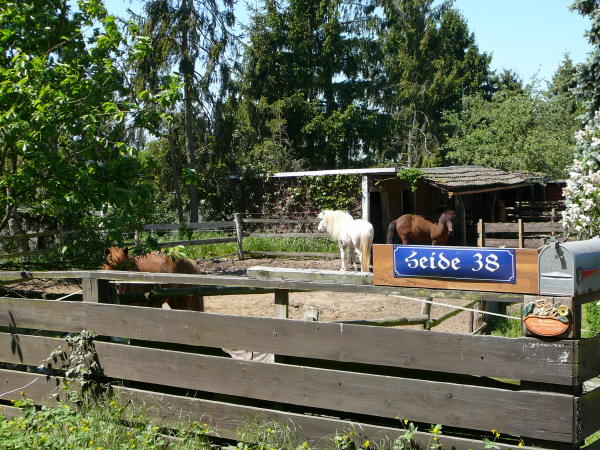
x=461, y=354
x=423, y=398
x=339, y=372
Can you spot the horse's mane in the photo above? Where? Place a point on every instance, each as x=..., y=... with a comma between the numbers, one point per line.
x=334, y=221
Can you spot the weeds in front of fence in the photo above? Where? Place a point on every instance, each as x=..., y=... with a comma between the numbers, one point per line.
x=114, y=424
x=500, y=326
x=101, y=425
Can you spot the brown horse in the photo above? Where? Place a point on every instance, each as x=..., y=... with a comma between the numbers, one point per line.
x=411, y=227
x=119, y=259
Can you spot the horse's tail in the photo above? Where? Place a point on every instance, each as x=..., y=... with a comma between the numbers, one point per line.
x=391, y=232
x=366, y=243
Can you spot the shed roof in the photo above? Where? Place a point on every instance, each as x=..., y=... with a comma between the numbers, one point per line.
x=467, y=179
x=453, y=179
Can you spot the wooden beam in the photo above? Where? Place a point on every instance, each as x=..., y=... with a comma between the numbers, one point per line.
x=189, y=226
x=239, y=235
x=478, y=191
x=231, y=280
x=390, y=321
x=291, y=274
x=197, y=242
x=366, y=201
x=294, y=254
x=227, y=419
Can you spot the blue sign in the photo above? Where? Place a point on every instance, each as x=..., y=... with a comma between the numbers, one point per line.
x=464, y=263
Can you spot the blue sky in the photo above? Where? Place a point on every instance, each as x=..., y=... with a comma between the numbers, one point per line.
x=528, y=36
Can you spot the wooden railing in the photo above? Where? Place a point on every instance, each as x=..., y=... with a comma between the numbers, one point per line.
x=237, y=227
x=517, y=235
x=240, y=228
x=336, y=377
x=536, y=211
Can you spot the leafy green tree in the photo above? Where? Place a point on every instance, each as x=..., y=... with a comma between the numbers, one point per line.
x=583, y=186
x=588, y=80
x=193, y=38
x=428, y=62
x=302, y=87
x=517, y=128
x=64, y=111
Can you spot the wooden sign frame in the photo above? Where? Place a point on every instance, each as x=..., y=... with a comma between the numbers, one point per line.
x=526, y=283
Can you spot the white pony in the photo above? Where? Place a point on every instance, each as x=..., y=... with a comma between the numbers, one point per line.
x=354, y=236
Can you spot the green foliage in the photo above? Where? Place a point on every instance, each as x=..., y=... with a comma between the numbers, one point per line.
x=588, y=78
x=591, y=317
x=411, y=176
x=106, y=424
x=338, y=192
x=500, y=326
x=268, y=435
x=514, y=130
x=64, y=107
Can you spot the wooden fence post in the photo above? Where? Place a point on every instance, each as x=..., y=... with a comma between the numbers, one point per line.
x=481, y=233
x=521, y=234
x=96, y=291
x=426, y=311
x=237, y=217
x=282, y=298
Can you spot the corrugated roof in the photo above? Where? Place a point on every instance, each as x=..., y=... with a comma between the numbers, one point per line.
x=468, y=178
x=451, y=178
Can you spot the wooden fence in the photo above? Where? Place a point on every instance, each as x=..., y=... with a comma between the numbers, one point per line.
x=240, y=227
x=517, y=234
x=331, y=378
x=536, y=211
x=237, y=227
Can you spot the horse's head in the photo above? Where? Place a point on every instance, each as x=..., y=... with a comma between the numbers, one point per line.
x=118, y=259
x=447, y=218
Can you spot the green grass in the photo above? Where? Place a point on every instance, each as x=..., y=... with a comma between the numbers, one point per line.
x=265, y=244
x=500, y=326
x=593, y=438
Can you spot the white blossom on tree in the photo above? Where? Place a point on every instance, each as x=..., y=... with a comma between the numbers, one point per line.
x=582, y=192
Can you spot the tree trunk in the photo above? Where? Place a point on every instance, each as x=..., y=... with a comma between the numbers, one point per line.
x=176, y=179
x=187, y=66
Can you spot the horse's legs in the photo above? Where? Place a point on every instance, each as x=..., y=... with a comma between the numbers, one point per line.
x=342, y=255
x=360, y=257
x=352, y=254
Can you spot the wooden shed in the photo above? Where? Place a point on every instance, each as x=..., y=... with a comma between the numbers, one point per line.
x=474, y=192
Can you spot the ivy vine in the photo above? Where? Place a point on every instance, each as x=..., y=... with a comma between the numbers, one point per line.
x=411, y=176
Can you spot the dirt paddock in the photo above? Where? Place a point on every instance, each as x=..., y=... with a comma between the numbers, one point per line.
x=332, y=306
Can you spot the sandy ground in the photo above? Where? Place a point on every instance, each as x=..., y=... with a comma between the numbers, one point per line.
x=332, y=306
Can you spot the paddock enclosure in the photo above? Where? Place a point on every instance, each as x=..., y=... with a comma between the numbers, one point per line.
x=327, y=378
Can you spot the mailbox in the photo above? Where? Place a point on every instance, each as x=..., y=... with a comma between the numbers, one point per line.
x=570, y=268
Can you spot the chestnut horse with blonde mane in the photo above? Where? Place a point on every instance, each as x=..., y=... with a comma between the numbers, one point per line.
x=119, y=259
x=411, y=227
x=353, y=236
